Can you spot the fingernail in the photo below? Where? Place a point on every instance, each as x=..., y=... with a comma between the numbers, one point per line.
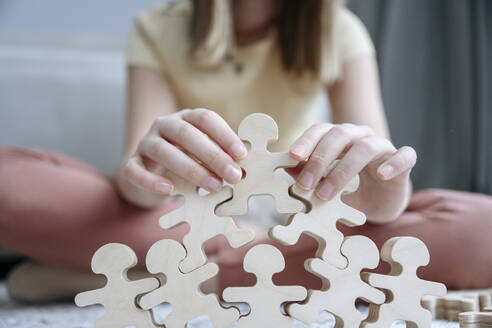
x=298, y=150
x=386, y=171
x=239, y=151
x=163, y=187
x=233, y=174
x=212, y=184
x=326, y=191
x=306, y=180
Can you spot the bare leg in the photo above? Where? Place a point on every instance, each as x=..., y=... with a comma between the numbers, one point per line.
x=57, y=210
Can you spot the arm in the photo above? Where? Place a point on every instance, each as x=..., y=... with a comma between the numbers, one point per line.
x=359, y=138
x=361, y=78
x=197, y=144
x=149, y=96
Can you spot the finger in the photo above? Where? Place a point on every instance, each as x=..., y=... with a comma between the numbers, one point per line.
x=195, y=142
x=331, y=145
x=138, y=175
x=216, y=128
x=306, y=143
x=363, y=152
x=402, y=161
x=173, y=159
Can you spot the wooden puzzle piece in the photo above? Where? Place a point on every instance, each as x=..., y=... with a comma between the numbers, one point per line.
x=260, y=130
x=320, y=222
x=199, y=212
x=475, y=319
x=485, y=301
x=119, y=294
x=181, y=290
x=264, y=298
x=450, y=306
x=341, y=286
x=404, y=289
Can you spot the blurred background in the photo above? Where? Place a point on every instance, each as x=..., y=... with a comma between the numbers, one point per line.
x=62, y=80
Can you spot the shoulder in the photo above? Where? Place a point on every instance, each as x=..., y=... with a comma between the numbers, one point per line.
x=163, y=16
x=159, y=35
x=352, y=37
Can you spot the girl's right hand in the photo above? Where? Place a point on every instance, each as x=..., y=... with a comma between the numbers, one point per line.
x=196, y=144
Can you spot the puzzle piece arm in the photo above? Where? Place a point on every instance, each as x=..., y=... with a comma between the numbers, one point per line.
x=380, y=280
x=434, y=288
x=145, y=285
x=220, y=196
x=155, y=297
x=321, y=268
x=90, y=297
x=204, y=273
x=351, y=217
x=295, y=293
x=236, y=294
x=371, y=294
x=173, y=218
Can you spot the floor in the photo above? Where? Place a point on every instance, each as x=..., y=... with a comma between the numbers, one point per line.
x=67, y=315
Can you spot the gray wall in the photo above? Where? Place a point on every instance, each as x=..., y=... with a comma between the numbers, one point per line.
x=62, y=76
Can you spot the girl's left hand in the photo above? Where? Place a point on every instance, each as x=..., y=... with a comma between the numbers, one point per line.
x=384, y=170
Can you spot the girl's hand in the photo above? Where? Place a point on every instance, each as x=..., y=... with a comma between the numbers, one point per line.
x=384, y=171
x=197, y=145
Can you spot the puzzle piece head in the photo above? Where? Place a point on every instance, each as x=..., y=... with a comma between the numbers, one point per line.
x=264, y=260
x=258, y=129
x=113, y=259
x=164, y=256
x=361, y=251
x=409, y=252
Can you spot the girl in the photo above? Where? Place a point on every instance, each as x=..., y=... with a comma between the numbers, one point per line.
x=233, y=57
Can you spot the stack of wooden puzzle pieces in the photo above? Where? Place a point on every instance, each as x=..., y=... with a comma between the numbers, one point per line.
x=180, y=269
x=473, y=309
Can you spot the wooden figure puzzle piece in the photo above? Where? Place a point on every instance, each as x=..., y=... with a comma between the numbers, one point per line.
x=199, y=212
x=475, y=319
x=119, y=294
x=404, y=289
x=343, y=286
x=264, y=298
x=181, y=290
x=320, y=222
x=260, y=130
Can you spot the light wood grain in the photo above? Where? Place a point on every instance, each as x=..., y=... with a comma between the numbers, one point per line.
x=199, y=212
x=404, y=289
x=342, y=286
x=181, y=290
x=259, y=130
x=119, y=294
x=320, y=222
x=264, y=298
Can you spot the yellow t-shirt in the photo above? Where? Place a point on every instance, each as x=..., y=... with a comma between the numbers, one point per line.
x=160, y=40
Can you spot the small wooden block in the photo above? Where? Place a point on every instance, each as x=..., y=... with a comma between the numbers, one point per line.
x=475, y=319
x=485, y=301
x=199, y=212
x=260, y=130
x=181, y=290
x=449, y=307
x=264, y=298
x=320, y=223
x=119, y=294
x=405, y=288
x=344, y=286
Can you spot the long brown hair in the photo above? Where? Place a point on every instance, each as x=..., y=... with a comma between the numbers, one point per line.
x=299, y=31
